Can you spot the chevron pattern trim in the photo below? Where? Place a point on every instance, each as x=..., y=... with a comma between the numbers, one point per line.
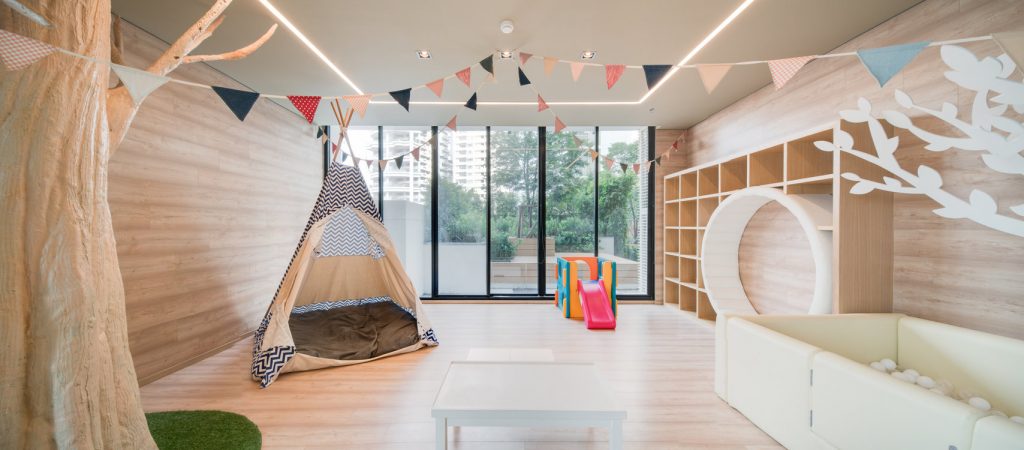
x=324, y=306
x=260, y=331
x=429, y=337
x=345, y=235
x=269, y=363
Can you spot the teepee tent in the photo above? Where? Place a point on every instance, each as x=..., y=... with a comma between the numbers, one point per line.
x=345, y=298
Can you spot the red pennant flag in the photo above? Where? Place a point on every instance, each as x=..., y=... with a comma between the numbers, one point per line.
x=437, y=86
x=359, y=103
x=675, y=145
x=18, y=52
x=577, y=69
x=636, y=168
x=784, y=69
x=559, y=125
x=541, y=104
x=463, y=75
x=524, y=57
x=549, y=65
x=609, y=163
x=612, y=72
x=306, y=104
x=451, y=123
x=416, y=153
x=594, y=154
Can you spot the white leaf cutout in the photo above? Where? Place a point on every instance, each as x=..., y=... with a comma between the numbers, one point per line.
x=928, y=178
x=949, y=213
x=1018, y=210
x=825, y=146
x=982, y=202
x=892, y=182
x=862, y=187
x=843, y=139
x=897, y=119
x=903, y=99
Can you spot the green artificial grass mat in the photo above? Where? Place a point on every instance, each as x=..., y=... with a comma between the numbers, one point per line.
x=200, y=430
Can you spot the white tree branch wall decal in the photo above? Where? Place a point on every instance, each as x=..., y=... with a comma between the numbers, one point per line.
x=999, y=139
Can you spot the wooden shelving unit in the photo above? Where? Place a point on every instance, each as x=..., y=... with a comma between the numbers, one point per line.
x=861, y=226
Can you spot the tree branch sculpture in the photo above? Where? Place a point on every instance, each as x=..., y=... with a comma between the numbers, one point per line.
x=1000, y=139
x=66, y=373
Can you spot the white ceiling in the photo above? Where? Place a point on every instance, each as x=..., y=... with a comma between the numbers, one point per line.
x=374, y=43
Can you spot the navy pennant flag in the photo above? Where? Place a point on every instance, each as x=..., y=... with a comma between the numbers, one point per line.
x=471, y=103
x=654, y=73
x=402, y=97
x=488, y=64
x=241, y=102
x=523, y=81
x=398, y=161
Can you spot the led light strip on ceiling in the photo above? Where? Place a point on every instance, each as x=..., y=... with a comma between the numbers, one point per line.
x=693, y=52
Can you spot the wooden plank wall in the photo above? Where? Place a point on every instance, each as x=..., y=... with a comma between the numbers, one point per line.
x=207, y=211
x=662, y=141
x=946, y=270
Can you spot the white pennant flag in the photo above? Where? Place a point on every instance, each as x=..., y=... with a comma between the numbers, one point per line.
x=138, y=82
x=712, y=74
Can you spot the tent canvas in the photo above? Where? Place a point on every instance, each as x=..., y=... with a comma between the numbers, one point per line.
x=345, y=298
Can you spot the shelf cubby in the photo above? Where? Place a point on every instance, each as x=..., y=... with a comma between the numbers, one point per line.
x=700, y=278
x=767, y=166
x=821, y=184
x=671, y=241
x=804, y=160
x=687, y=298
x=688, y=213
x=707, y=181
x=705, y=207
x=688, y=271
x=671, y=292
x=672, y=188
x=672, y=214
x=700, y=241
x=704, y=309
x=688, y=185
x=688, y=242
x=672, y=266
x=733, y=174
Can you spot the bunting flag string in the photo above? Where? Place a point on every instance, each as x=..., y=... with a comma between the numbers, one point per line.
x=577, y=69
x=784, y=69
x=358, y=103
x=886, y=62
x=306, y=104
x=18, y=52
x=437, y=86
x=712, y=74
x=549, y=66
x=654, y=73
x=524, y=57
x=402, y=96
x=541, y=104
x=471, y=103
x=463, y=75
x=523, y=81
x=612, y=72
x=139, y=82
x=488, y=64
x=240, y=102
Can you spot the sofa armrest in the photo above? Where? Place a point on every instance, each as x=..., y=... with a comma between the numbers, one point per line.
x=856, y=407
x=861, y=337
x=997, y=433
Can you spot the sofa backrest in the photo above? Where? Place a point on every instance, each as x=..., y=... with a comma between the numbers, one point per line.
x=990, y=365
x=860, y=337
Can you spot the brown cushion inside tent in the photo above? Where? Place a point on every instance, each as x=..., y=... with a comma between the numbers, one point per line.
x=353, y=332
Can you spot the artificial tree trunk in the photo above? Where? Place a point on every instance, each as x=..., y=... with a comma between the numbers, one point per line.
x=66, y=373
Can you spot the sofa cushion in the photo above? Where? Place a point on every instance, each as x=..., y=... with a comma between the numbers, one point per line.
x=768, y=381
x=997, y=433
x=990, y=365
x=856, y=407
x=861, y=337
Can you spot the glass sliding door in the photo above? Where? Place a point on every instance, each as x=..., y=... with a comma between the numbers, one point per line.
x=622, y=207
x=514, y=216
x=406, y=202
x=569, y=194
x=462, y=212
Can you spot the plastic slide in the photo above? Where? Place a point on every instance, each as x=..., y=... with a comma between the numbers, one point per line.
x=597, y=308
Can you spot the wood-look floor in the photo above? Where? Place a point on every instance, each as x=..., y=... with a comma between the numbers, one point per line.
x=659, y=361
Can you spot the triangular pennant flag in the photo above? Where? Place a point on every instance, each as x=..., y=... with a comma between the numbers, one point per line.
x=577, y=69
x=463, y=75
x=398, y=161
x=344, y=156
x=541, y=104
x=359, y=103
x=488, y=64
x=335, y=148
x=437, y=86
x=369, y=163
x=576, y=140
x=319, y=130
x=382, y=164
x=18, y=52
x=306, y=104
x=654, y=73
x=612, y=72
x=523, y=81
x=784, y=69
x=559, y=125
x=549, y=65
x=524, y=57
x=402, y=97
x=471, y=103
x=624, y=167
x=1013, y=44
x=594, y=154
x=138, y=82
x=657, y=160
x=416, y=153
x=712, y=74
x=636, y=168
x=452, y=123
x=886, y=62
x=675, y=145
x=609, y=163
x=240, y=102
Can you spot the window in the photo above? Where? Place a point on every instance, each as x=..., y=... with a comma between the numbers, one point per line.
x=461, y=212
x=514, y=203
x=407, y=200
x=365, y=146
x=569, y=193
x=622, y=207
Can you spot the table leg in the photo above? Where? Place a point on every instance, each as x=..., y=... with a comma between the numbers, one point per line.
x=615, y=435
x=441, y=434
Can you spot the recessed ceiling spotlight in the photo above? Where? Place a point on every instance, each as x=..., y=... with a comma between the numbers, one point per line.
x=506, y=26
x=505, y=54
x=423, y=54
x=588, y=54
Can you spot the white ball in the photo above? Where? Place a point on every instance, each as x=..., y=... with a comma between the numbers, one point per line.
x=925, y=382
x=938, y=391
x=911, y=373
x=889, y=364
x=979, y=403
x=1018, y=419
x=945, y=386
x=996, y=412
x=878, y=366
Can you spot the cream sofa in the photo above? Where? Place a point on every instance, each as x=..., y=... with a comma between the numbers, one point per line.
x=805, y=381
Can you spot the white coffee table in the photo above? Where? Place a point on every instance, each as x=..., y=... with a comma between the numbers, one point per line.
x=525, y=394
